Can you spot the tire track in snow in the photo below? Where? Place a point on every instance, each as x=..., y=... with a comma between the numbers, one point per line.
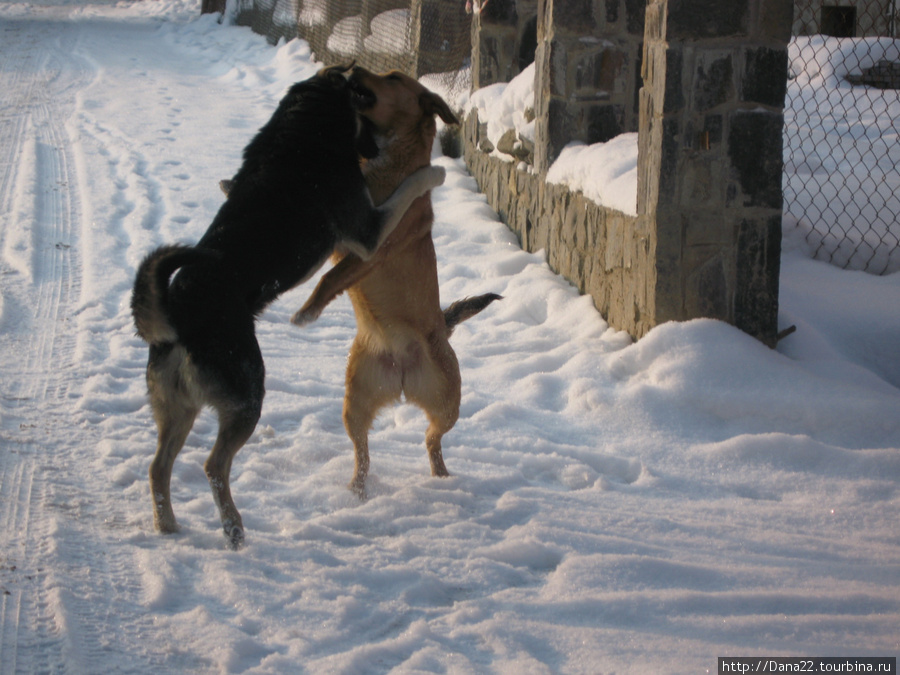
x=16, y=481
x=38, y=272
x=40, y=279
x=50, y=504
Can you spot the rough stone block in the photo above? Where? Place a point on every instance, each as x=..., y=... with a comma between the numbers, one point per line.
x=613, y=222
x=635, y=12
x=707, y=290
x=712, y=130
x=701, y=187
x=765, y=76
x=713, y=80
x=562, y=130
x=574, y=15
x=708, y=229
x=775, y=18
x=578, y=221
x=668, y=290
x=755, y=150
x=500, y=12
x=602, y=71
x=604, y=122
x=489, y=60
x=697, y=19
x=613, y=254
x=670, y=151
x=568, y=219
x=612, y=11
x=673, y=98
x=557, y=73
x=756, y=285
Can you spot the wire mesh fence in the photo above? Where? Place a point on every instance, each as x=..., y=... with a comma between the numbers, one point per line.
x=419, y=37
x=842, y=133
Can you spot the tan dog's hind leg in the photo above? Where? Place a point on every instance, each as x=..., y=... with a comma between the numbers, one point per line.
x=435, y=387
x=373, y=381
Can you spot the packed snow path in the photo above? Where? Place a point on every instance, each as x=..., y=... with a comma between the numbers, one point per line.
x=41, y=277
x=614, y=507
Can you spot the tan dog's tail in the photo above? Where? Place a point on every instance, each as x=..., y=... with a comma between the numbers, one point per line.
x=466, y=308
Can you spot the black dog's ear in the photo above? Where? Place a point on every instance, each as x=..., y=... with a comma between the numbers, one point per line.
x=432, y=104
x=335, y=74
x=365, y=139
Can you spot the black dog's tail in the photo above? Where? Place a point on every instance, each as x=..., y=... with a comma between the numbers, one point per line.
x=464, y=309
x=151, y=288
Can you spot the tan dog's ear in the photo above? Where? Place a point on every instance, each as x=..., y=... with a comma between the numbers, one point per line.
x=432, y=104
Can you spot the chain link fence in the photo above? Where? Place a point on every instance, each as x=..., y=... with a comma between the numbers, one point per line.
x=419, y=37
x=842, y=132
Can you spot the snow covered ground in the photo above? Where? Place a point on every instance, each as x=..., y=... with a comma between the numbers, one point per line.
x=614, y=507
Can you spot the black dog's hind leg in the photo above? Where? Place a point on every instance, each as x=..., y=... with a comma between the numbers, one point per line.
x=388, y=215
x=173, y=430
x=174, y=410
x=237, y=389
x=235, y=428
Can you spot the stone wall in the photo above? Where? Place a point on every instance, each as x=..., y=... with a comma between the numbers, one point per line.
x=596, y=248
x=703, y=81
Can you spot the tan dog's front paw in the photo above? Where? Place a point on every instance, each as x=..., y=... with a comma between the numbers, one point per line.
x=305, y=316
x=435, y=176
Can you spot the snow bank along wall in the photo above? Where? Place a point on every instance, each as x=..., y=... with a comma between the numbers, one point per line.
x=702, y=81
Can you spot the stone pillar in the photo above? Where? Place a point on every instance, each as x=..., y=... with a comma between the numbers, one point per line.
x=588, y=63
x=494, y=35
x=710, y=159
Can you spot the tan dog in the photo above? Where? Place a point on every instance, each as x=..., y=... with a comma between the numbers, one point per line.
x=401, y=345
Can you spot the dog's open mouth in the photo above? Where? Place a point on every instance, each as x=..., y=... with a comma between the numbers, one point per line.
x=362, y=97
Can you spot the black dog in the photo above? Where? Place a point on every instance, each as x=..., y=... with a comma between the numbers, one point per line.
x=298, y=194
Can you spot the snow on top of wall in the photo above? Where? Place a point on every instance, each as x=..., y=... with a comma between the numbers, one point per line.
x=503, y=107
x=605, y=172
